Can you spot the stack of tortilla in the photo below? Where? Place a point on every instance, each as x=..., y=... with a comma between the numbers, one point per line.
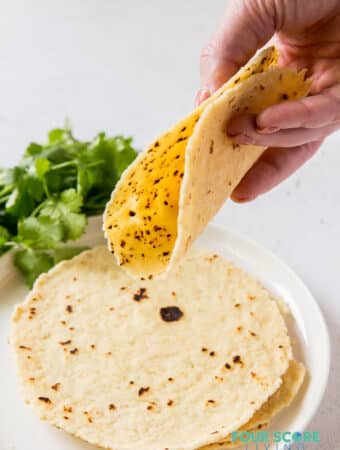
x=176, y=362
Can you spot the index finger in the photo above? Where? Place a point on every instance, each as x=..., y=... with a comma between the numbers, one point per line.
x=310, y=112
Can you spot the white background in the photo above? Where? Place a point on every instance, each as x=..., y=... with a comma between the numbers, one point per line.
x=132, y=67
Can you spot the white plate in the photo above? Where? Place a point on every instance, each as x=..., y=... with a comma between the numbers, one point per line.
x=20, y=428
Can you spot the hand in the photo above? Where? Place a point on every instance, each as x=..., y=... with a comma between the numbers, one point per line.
x=307, y=34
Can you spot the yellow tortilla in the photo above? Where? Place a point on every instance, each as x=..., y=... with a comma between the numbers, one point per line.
x=174, y=188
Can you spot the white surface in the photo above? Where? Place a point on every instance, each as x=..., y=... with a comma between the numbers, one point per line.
x=313, y=350
x=132, y=67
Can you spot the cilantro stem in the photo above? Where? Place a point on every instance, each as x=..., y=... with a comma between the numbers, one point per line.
x=5, y=190
x=46, y=190
x=12, y=244
x=37, y=209
x=95, y=163
x=69, y=132
x=63, y=165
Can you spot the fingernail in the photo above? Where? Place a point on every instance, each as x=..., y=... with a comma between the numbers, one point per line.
x=268, y=130
x=202, y=95
x=242, y=199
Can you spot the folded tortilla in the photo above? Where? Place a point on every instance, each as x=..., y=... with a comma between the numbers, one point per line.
x=166, y=198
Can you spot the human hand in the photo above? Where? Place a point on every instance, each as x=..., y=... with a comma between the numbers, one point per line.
x=307, y=35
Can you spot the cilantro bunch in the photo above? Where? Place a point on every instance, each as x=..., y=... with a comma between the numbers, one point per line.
x=46, y=198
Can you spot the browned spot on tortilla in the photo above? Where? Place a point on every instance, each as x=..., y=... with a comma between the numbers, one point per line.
x=141, y=294
x=45, y=400
x=143, y=390
x=171, y=313
x=211, y=148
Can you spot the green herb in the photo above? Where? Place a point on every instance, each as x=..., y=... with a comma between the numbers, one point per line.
x=45, y=200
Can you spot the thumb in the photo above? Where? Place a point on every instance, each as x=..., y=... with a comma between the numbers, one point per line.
x=246, y=26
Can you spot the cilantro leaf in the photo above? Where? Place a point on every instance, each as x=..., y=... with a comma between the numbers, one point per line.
x=32, y=263
x=72, y=200
x=42, y=166
x=46, y=198
x=65, y=210
x=103, y=162
x=40, y=232
x=56, y=135
x=33, y=149
x=27, y=193
x=74, y=226
x=124, y=153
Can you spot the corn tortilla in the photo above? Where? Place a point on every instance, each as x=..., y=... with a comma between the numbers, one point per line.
x=282, y=398
x=149, y=364
x=174, y=188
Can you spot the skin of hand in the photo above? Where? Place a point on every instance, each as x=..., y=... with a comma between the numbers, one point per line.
x=307, y=35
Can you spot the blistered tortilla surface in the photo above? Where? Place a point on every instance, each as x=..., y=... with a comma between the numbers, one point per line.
x=137, y=364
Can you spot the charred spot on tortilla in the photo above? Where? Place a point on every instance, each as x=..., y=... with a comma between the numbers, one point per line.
x=237, y=360
x=141, y=294
x=171, y=313
x=143, y=390
x=45, y=400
